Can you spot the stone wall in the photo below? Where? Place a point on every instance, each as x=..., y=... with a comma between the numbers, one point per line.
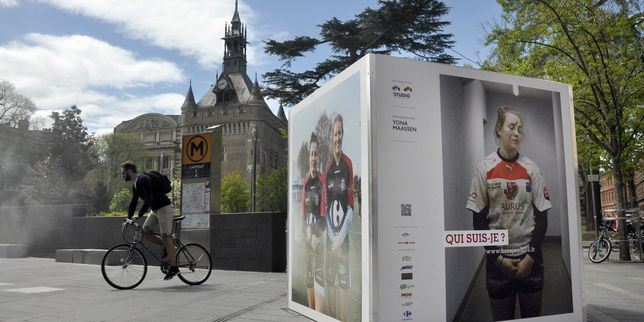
x=249, y=241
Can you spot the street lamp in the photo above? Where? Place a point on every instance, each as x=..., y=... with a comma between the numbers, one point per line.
x=253, y=188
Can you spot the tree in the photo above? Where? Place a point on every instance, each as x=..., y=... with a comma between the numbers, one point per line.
x=272, y=190
x=596, y=46
x=411, y=27
x=235, y=193
x=13, y=106
x=69, y=158
x=111, y=150
x=121, y=200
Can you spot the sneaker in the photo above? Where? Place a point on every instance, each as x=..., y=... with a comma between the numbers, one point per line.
x=172, y=271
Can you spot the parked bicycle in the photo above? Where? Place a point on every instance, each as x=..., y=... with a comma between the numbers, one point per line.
x=632, y=238
x=601, y=248
x=125, y=267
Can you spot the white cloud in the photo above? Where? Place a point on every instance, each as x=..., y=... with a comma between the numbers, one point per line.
x=194, y=27
x=8, y=3
x=59, y=71
x=79, y=61
x=104, y=116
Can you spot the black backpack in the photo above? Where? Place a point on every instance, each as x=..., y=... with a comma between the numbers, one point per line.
x=160, y=181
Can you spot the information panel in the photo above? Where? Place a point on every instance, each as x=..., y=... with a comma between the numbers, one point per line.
x=199, y=171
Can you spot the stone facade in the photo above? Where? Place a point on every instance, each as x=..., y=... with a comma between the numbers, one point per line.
x=232, y=101
x=161, y=138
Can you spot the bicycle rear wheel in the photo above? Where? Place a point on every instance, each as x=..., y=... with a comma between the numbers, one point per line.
x=599, y=250
x=124, y=267
x=194, y=264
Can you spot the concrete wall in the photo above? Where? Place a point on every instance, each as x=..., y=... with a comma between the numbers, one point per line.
x=48, y=228
x=249, y=241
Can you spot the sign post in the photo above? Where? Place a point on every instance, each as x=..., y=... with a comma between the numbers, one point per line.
x=200, y=177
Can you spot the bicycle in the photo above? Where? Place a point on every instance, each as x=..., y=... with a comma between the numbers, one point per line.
x=631, y=236
x=600, y=249
x=124, y=266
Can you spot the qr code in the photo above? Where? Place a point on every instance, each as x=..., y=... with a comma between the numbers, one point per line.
x=405, y=209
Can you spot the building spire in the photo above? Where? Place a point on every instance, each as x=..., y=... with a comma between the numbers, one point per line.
x=189, y=102
x=281, y=114
x=235, y=45
x=256, y=91
x=236, y=14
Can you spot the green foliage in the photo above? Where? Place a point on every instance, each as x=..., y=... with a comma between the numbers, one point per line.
x=284, y=133
x=235, y=193
x=272, y=190
x=121, y=201
x=59, y=178
x=411, y=27
x=597, y=48
x=112, y=214
x=69, y=145
x=112, y=150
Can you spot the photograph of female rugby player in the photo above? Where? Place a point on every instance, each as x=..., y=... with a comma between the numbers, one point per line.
x=501, y=156
x=325, y=210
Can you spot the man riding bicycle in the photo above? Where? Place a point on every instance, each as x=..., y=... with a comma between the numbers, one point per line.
x=153, y=198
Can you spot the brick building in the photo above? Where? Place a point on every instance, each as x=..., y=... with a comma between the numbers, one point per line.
x=608, y=194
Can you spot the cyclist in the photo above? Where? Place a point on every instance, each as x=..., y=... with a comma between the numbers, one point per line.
x=162, y=212
x=508, y=192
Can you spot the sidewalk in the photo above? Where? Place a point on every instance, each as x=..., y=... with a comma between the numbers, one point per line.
x=613, y=291
x=40, y=289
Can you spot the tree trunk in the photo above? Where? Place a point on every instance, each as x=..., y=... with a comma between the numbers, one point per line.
x=632, y=192
x=624, y=253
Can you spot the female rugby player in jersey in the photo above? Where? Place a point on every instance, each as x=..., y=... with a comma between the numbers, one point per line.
x=313, y=205
x=339, y=207
x=508, y=192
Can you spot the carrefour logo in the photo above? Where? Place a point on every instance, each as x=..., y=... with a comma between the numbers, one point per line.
x=402, y=93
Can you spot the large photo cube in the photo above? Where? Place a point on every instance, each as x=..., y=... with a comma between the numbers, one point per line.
x=459, y=187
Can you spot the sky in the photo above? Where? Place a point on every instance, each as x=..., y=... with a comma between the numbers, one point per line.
x=118, y=59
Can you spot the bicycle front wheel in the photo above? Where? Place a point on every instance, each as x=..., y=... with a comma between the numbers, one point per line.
x=599, y=250
x=124, y=267
x=194, y=264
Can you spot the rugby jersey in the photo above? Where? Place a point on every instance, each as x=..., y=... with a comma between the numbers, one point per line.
x=314, y=202
x=339, y=191
x=510, y=189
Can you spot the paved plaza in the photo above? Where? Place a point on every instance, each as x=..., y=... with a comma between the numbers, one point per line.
x=40, y=289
